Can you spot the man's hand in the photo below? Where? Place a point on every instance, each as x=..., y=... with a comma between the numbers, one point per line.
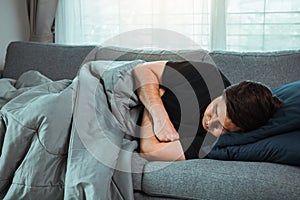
x=165, y=131
x=162, y=126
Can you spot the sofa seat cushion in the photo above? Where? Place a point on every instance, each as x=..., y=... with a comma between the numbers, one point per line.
x=213, y=179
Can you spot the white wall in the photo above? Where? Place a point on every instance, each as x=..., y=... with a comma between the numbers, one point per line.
x=14, y=24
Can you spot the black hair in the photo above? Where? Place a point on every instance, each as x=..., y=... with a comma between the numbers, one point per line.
x=250, y=104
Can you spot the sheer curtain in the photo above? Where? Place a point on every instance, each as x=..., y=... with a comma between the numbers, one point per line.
x=148, y=23
x=68, y=22
x=241, y=25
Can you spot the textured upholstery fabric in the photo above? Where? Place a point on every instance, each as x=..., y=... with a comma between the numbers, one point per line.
x=273, y=68
x=54, y=61
x=212, y=179
x=117, y=53
x=61, y=61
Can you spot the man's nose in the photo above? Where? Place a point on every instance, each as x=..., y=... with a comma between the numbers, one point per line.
x=209, y=122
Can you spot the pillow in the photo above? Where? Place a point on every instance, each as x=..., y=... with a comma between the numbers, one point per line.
x=283, y=148
x=277, y=141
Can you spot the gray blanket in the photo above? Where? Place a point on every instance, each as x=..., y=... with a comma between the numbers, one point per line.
x=69, y=139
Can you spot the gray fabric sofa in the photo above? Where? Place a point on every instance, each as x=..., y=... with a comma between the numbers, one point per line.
x=192, y=179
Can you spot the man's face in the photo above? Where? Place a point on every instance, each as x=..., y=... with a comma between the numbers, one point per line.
x=215, y=119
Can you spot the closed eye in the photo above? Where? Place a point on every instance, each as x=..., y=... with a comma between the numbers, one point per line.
x=217, y=125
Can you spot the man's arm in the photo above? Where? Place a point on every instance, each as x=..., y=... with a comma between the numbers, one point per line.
x=152, y=149
x=148, y=77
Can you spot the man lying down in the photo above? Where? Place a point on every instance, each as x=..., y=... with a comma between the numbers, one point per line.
x=184, y=101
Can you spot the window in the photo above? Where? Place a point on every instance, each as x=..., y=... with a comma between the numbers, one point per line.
x=102, y=20
x=237, y=25
x=262, y=25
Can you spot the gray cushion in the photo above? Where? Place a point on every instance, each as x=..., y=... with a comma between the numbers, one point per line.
x=273, y=68
x=63, y=61
x=213, y=179
x=117, y=53
x=53, y=60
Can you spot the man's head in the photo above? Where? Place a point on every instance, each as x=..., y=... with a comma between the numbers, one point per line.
x=242, y=107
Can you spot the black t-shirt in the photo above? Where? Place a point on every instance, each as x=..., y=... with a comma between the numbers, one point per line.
x=190, y=87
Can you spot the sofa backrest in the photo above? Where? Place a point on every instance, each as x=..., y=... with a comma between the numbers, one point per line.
x=271, y=68
x=63, y=61
x=53, y=60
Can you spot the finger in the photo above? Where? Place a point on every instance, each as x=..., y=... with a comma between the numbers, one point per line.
x=161, y=138
x=174, y=135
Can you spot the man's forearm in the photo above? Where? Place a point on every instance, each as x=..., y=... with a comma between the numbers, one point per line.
x=147, y=80
x=148, y=90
